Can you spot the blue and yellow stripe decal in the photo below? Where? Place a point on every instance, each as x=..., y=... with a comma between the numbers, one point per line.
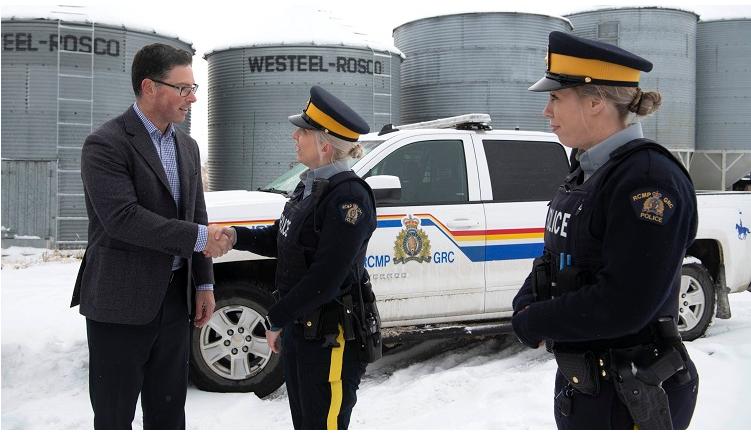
x=481, y=245
x=478, y=245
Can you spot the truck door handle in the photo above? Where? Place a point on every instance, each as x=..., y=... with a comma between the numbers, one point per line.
x=463, y=223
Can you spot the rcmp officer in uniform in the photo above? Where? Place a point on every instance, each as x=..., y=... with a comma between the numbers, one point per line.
x=604, y=294
x=320, y=243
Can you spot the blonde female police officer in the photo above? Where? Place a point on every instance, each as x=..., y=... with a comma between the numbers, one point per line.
x=604, y=294
x=320, y=242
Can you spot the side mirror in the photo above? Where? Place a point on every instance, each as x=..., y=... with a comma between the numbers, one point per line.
x=386, y=188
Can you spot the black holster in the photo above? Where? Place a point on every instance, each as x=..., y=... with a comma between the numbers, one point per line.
x=639, y=378
x=647, y=403
x=369, y=328
x=669, y=339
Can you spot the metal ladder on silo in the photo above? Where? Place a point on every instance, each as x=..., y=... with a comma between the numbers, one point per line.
x=75, y=121
x=382, y=92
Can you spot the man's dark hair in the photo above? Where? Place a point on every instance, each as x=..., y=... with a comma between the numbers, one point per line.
x=155, y=61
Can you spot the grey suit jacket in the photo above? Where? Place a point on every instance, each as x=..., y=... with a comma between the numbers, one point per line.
x=134, y=225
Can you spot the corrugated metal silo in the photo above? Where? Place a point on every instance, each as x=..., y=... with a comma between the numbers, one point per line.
x=64, y=73
x=667, y=38
x=255, y=84
x=723, y=100
x=476, y=63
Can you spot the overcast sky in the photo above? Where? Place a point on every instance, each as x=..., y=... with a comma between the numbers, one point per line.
x=214, y=25
x=379, y=18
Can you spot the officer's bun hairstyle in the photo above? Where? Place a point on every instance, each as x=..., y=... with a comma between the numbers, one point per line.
x=625, y=99
x=342, y=149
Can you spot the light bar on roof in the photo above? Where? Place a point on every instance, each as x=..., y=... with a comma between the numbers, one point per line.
x=472, y=118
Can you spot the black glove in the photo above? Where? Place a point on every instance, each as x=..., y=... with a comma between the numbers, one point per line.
x=519, y=324
x=522, y=301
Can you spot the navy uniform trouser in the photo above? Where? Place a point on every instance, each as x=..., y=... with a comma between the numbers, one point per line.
x=150, y=360
x=607, y=411
x=321, y=382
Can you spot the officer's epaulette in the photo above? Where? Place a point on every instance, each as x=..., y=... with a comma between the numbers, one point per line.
x=641, y=144
x=328, y=186
x=350, y=175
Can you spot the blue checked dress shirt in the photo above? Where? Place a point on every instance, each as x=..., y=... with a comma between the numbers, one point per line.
x=165, y=148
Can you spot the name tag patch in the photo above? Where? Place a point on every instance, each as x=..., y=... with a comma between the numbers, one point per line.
x=653, y=205
x=351, y=212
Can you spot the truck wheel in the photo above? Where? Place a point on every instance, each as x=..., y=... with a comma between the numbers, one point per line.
x=230, y=353
x=696, y=303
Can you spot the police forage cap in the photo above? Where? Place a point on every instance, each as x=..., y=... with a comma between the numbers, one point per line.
x=574, y=61
x=328, y=113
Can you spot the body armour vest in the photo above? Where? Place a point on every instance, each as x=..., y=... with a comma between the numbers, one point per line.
x=292, y=260
x=574, y=255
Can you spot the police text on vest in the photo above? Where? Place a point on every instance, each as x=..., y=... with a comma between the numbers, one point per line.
x=557, y=222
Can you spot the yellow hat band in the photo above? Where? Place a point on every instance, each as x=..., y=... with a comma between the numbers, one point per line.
x=329, y=123
x=596, y=69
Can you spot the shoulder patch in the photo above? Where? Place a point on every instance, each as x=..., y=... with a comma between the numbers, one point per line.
x=352, y=212
x=653, y=205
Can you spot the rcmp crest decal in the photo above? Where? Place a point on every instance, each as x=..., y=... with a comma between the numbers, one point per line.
x=411, y=243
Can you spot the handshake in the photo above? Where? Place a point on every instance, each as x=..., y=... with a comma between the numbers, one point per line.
x=220, y=241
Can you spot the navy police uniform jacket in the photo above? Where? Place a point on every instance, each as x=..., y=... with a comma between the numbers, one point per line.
x=318, y=244
x=628, y=228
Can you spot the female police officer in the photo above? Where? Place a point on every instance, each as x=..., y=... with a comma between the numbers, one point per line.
x=604, y=294
x=320, y=242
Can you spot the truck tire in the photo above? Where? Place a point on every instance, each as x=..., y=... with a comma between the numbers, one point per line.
x=230, y=354
x=696, y=302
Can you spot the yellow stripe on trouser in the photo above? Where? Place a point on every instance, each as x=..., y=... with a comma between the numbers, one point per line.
x=335, y=379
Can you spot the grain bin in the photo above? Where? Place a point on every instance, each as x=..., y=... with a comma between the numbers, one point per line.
x=476, y=63
x=723, y=102
x=667, y=38
x=65, y=71
x=256, y=83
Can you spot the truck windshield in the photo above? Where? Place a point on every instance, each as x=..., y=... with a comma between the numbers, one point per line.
x=286, y=182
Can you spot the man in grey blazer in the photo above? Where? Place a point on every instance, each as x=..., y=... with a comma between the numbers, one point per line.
x=149, y=248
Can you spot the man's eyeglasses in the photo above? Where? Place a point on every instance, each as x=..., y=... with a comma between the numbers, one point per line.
x=184, y=90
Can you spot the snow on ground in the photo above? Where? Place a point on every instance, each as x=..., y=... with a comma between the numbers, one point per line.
x=446, y=384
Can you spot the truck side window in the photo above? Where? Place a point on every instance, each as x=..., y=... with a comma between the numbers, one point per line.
x=430, y=171
x=525, y=171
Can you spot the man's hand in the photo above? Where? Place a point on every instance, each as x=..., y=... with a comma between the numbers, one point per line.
x=229, y=232
x=218, y=242
x=271, y=337
x=204, y=307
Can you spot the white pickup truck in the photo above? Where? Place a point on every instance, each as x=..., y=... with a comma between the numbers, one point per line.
x=461, y=214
